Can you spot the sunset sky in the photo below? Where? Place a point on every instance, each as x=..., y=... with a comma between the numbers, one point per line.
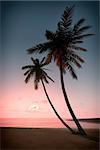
x=23, y=25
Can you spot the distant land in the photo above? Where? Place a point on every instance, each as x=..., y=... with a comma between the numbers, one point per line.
x=94, y=120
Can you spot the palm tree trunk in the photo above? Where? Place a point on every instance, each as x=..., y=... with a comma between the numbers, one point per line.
x=55, y=109
x=82, y=132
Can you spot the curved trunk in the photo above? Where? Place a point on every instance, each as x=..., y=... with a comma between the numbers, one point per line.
x=55, y=109
x=82, y=132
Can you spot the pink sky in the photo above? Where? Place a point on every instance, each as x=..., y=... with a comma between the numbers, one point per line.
x=21, y=100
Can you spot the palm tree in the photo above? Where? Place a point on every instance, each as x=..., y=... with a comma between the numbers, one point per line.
x=38, y=71
x=63, y=46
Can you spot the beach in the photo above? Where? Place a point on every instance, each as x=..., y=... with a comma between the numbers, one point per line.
x=47, y=139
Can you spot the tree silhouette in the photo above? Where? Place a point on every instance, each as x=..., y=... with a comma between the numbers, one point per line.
x=37, y=71
x=63, y=46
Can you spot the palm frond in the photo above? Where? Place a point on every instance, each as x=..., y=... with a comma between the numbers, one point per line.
x=80, y=22
x=78, y=48
x=46, y=46
x=27, y=67
x=50, y=78
x=45, y=74
x=72, y=72
x=33, y=60
x=77, y=57
x=42, y=60
x=49, y=35
x=37, y=63
x=66, y=19
x=26, y=72
x=80, y=37
x=77, y=26
x=36, y=84
x=36, y=48
x=83, y=29
x=46, y=69
x=73, y=60
x=77, y=41
x=49, y=58
x=28, y=77
x=32, y=50
x=46, y=79
x=39, y=48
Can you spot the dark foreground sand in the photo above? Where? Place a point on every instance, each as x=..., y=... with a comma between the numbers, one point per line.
x=46, y=139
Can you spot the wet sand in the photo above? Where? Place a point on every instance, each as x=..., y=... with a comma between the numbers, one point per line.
x=47, y=139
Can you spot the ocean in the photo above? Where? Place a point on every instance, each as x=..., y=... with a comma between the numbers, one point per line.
x=42, y=123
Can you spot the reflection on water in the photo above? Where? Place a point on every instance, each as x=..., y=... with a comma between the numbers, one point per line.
x=42, y=123
x=84, y=124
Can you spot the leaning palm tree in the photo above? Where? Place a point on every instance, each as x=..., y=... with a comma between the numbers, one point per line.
x=63, y=46
x=37, y=71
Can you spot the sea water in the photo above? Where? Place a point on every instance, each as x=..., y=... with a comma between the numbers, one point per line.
x=42, y=123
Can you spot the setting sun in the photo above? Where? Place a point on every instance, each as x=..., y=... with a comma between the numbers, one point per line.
x=33, y=107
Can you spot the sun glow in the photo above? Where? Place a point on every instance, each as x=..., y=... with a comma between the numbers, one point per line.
x=33, y=107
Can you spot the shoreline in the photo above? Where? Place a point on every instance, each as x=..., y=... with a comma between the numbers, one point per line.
x=46, y=139
x=44, y=123
x=88, y=120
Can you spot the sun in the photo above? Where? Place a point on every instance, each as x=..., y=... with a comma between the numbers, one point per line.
x=33, y=107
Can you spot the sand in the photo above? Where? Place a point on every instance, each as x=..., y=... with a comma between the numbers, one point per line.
x=46, y=139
